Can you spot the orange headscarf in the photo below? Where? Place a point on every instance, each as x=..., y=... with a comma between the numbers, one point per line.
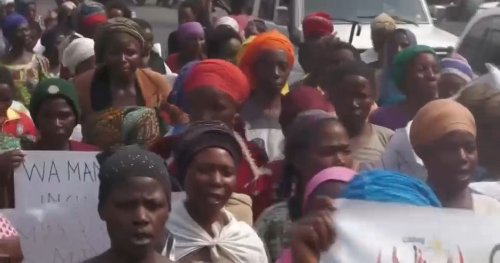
x=272, y=40
x=438, y=118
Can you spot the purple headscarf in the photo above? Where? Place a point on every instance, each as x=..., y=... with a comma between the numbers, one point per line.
x=10, y=24
x=189, y=31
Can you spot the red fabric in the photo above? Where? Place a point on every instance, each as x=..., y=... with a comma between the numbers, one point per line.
x=94, y=20
x=23, y=124
x=317, y=24
x=172, y=62
x=75, y=146
x=220, y=75
x=302, y=99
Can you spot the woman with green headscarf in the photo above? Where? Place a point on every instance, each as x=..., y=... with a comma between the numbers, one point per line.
x=416, y=73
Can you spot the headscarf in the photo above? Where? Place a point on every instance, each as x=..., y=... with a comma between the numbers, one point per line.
x=483, y=101
x=438, y=118
x=383, y=22
x=228, y=21
x=6, y=229
x=11, y=23
x=6, y=2
x=126, y=162
x=317, y=25
x=116, y=25
x=458, y=66
x=177, y=96
x=300, y=100
x=89, y=14
x=221, y=75
x=404, y=58
x=389, y=93
x=189, y=31
x=272, y=40
x=116, y=127
x=390, y=187
x=50, y=88
x=202, y=135
x=78, y=51
x=340, y=174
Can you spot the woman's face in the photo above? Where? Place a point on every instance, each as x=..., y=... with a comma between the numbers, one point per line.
x=449, y=85
x=451, y=161
x=271, y=70
x=210, y=104
x=195, y=47
x=422, y=78
x=31, y=12
x=352, y=99
x=402, y=40
x=123, y=55
x=135, y=214
x=114, y=12
x=330, y=147
x=22, y=36
x=56, y=119
x=210, y=180
x=332, y=60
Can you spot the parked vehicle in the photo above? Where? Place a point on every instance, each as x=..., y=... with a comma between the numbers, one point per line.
x=479, y=41
x=410, y=14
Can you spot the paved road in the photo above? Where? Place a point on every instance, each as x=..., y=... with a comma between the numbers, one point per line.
x=162, y=19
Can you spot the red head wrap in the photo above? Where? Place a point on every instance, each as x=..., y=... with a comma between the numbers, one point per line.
x=272, y=40
x=317, y=24
x=220, y=75
x=94, y=20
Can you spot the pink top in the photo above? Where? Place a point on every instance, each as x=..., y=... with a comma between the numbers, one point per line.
x=6, y=229
x=341, y=174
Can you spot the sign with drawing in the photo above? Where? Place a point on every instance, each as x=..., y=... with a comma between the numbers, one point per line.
x=56, y=177
x=389, y=233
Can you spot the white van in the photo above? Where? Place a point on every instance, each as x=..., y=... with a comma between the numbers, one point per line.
x=480, y=40
x=287, y=16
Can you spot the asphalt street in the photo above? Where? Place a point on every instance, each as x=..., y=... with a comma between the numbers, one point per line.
x=164, y=20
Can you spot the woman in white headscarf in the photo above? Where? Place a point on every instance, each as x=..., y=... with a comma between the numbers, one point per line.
x=207, y=158
x=79, y=56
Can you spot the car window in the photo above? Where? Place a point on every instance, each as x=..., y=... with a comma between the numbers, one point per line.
x=480, y=44
x=266, y=9
x=364, y=11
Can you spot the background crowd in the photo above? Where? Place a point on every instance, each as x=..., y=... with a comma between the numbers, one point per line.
x=252, y=160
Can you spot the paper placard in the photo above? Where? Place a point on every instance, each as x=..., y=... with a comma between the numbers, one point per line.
x=388, y=233
x=56, y=177
x=59, y=234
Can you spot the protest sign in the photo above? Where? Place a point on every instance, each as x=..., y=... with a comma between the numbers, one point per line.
x=59, y=234
x=56, y=177
x=388, y=233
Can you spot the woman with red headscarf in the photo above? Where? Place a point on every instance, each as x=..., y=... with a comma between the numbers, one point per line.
x=215, y=90
x=267, y=62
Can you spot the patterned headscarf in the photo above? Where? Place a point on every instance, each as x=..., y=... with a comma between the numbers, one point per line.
x=317, y=25
x=115, y=25
x=6, y=229
x=177, y=96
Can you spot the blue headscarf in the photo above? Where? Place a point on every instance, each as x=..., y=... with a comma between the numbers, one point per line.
x=389, y=92
x=390, y=187
x=10, y=24
x=177, y=94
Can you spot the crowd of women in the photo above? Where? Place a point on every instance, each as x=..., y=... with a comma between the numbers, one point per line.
x=210, y=155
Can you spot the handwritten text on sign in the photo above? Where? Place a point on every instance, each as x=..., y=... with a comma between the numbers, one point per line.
x=391, y=233
x=56, y=177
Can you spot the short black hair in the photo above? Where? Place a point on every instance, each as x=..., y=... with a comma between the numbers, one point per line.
x=217, y=37
x=188, y=4
x=331, y=43
x=351, y=68
x=305, y=55
x=142, y=23
x=119, y=4
x=6, y=77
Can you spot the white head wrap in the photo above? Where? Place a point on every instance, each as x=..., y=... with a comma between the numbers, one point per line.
x=6, y=2
x=78, y=51
x=228, y=21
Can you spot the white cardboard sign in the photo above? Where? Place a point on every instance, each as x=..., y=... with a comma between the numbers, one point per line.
x=56, y=177
x=388, y=233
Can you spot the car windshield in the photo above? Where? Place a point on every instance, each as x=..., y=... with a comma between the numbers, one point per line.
x=364, y=11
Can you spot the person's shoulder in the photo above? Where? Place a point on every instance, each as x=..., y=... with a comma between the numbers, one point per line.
x=383, y=133
x=275, y=213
